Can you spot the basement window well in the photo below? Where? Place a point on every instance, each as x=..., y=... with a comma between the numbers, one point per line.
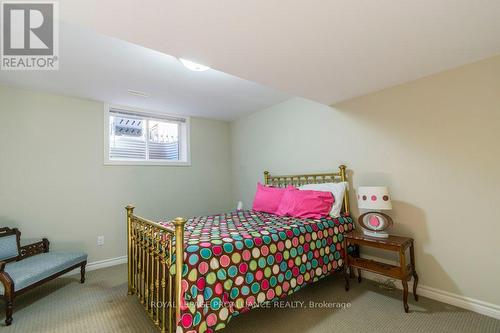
x=134, y=137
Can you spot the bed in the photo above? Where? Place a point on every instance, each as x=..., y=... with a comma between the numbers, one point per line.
x=230, y=262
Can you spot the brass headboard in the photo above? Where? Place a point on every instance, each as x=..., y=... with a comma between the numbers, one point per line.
x=297, y=180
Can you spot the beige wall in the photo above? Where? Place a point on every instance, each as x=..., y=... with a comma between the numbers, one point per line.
x=53, y=182
x=435, y=142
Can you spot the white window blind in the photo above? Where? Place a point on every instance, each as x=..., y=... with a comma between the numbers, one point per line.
x=141, y=137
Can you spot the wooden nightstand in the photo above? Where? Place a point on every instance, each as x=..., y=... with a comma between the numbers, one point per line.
x=403, y=272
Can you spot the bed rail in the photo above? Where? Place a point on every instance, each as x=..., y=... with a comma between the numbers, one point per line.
x=152, y=277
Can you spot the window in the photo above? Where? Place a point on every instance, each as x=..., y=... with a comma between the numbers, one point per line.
x=138, y=137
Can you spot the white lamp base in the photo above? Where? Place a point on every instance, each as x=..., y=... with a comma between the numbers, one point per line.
x=376, y=234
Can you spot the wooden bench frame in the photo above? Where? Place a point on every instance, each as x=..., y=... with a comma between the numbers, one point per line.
x=23, y=253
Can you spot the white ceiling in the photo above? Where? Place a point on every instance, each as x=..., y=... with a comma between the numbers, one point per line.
x=326, y=50
x=103, y=68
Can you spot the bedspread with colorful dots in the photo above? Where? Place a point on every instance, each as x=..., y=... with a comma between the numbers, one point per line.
x=235, y=261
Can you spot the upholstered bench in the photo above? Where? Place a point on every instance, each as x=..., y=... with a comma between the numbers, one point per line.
x=25, y=267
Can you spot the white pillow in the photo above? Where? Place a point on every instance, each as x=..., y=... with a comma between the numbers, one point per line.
x=337, y=189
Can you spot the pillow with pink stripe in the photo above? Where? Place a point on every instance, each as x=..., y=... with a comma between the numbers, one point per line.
x=306, y=204
x=267, y=198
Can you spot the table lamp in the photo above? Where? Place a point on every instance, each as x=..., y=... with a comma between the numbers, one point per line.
x=374, y=198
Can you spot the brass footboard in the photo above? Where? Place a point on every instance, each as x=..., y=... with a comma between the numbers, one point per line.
x=151, y=276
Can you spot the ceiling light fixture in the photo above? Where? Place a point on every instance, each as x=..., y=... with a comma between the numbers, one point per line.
x=138, y=93
x=194, y=66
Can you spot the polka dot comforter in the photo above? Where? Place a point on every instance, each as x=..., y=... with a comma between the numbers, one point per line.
x=235, y=261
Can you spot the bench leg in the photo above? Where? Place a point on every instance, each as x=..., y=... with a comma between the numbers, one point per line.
x=82, y=272
x=8, y=286
x=8, y=312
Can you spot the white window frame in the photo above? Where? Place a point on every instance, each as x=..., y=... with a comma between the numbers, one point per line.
x=184, y=136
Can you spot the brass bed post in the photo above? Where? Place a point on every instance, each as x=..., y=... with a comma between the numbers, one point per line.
x=170, y=292
x=151, y=272
x=157, y=280
x=343, y=177
x=266, y=177
x=146, y=270
x=179, y=263
x=130, y=211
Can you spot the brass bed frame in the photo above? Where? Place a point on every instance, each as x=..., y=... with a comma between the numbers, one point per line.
x=151, y=252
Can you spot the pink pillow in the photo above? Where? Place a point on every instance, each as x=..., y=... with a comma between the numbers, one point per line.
x=267, y=198
x=306, y=204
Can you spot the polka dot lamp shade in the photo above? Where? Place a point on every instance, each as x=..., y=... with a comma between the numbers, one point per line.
x=374, y=197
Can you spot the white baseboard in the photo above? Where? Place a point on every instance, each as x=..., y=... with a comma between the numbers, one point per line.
x=106, y=263
x=100, y=264
x=475, y=305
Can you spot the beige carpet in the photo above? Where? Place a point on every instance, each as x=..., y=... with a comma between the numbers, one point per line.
x=102, y=305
